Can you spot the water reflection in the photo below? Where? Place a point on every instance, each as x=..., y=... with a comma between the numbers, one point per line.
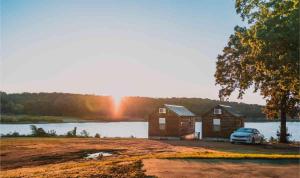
x=97, y=155
x=137, y=129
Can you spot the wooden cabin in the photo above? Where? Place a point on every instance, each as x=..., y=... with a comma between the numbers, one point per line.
x=171, y=122
x=220, y=122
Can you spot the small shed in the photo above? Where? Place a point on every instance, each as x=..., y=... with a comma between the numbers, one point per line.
x=171, y=122
x=221, y=121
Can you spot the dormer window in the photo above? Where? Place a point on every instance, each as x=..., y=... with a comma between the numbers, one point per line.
x=217, y=111
x=162, y=111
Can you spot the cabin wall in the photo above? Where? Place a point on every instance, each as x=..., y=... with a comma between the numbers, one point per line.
x=229, y=123
x=175, y=126
x=171, y=127
x=186, y=125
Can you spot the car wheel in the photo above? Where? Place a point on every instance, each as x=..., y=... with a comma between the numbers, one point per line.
x=253, y=140
x=232, y=142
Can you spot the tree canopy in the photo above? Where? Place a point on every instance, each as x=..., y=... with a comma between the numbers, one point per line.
x=264, y=54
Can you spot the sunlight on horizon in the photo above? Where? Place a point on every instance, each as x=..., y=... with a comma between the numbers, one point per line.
x=117, y=104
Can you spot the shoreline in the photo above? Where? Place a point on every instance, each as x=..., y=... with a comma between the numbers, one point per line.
x=112, y=121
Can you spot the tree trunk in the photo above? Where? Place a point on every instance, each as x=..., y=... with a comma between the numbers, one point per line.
x=283, y=134
x=283, y=129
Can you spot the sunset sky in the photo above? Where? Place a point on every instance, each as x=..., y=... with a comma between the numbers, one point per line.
x=163, y=48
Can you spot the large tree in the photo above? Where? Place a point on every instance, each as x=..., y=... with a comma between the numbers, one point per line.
x=264, y=54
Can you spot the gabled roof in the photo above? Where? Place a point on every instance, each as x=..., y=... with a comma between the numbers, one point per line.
x=179, y=110
x=231, y=110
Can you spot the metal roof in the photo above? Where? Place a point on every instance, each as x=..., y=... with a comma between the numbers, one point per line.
x=179, y=110
x=231, y=110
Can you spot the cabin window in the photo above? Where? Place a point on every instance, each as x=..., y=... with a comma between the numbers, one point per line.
x=217, y=111
x=216, y=125
x=183, y=123
x=162, y=110
x=162, y=123
x=186, y=124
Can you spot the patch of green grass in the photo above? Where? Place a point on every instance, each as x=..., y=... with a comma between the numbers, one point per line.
x=226, y=155
x=209, y=155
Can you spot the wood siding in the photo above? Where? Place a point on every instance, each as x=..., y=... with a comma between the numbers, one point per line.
x=175, y=126
x=228, y=124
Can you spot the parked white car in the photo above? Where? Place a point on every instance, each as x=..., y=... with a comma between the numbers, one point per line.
x=247, y=135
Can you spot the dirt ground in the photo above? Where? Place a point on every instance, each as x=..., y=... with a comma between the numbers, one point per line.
x=212, y=168
x=35, y=156
x=26, y=152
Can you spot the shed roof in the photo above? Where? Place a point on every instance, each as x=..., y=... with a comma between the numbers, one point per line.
x=179, y=110
x=231, y=110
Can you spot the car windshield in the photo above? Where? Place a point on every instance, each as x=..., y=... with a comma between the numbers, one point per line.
x=248, y=130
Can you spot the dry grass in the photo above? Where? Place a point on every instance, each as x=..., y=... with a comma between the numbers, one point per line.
x=35, y=157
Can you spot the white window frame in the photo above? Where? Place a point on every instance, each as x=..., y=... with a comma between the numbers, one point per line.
x=162, y=120
x=216, y=121
x=216, y=124
x=162, y=110
x=162, y=123
x=217, y=111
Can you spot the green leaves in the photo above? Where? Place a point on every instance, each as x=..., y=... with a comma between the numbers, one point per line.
x=265, y=54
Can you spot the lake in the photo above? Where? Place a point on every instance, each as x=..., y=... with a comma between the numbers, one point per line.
x=137, y=129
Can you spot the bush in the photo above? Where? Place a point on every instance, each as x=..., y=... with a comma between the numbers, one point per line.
x=72, y=133
x=52, y=133
x=14, y=134
x=273, y=140
x=37, y=132
x=84, y=133
x=97, y=135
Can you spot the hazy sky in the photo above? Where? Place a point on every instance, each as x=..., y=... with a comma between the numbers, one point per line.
x=157, y=48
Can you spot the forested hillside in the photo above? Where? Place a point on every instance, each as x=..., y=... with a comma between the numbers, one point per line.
x=102, y=107
x=56, y=104
x=141, y=106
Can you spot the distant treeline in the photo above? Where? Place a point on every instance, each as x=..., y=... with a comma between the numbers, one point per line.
x=102, y=107
x=56, y=104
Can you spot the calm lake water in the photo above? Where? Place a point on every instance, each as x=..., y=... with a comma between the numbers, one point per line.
x=137, y=129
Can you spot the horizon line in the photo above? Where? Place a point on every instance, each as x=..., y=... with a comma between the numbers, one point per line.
x=110, y=95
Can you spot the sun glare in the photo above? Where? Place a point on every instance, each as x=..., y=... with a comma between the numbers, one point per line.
x=117, y=103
